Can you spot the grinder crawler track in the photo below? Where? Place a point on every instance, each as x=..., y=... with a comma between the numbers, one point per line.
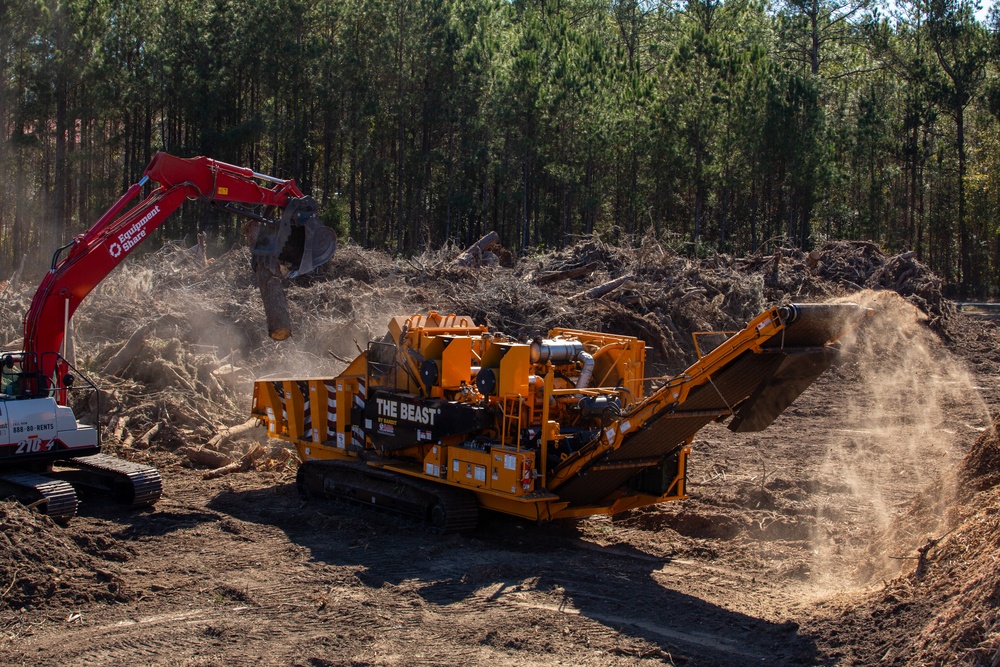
x=447, y=509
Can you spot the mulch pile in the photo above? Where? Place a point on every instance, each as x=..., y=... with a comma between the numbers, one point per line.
x=945, y=609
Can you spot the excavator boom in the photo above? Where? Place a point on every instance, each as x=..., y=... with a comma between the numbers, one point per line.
x=91, y=256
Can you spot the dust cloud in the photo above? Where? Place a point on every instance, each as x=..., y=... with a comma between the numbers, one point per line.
x=911, y=410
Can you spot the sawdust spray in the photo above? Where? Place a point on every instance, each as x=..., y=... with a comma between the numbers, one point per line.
x=912, y=410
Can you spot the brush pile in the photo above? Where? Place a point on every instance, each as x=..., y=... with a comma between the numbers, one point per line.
x=175, y=343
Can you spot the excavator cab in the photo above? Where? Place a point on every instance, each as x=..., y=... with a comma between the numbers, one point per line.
x=10, y=375
x=16, y=381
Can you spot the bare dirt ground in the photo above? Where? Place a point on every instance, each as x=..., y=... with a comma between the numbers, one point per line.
x=788, y=552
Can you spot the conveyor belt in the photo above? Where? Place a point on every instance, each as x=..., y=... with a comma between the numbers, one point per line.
x=755, y=386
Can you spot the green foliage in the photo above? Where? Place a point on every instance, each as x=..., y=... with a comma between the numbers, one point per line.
x=715, y=126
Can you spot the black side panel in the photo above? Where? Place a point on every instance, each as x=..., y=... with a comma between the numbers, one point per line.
x=798, y=370
x=660, y=479
x=733, y=383
x=395, y=421
x=659, y=438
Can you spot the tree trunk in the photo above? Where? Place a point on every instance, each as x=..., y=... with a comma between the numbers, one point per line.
x=272, y=292
x=205, y=457
x=965, y=268
x=124, y=356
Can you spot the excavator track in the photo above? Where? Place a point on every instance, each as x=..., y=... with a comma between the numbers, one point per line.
x=53, y=497
x=130, y=483
x=446, y=508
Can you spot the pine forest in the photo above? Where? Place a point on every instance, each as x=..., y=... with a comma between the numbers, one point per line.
x=714, y=127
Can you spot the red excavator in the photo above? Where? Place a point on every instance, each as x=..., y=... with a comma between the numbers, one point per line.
x=44, y=450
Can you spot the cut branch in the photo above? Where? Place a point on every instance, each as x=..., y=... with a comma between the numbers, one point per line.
x=601, y=290
x=567, y=274
x=146, y=438
x=244, y=464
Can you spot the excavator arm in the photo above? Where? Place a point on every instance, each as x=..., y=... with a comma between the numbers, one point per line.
x=298, y=237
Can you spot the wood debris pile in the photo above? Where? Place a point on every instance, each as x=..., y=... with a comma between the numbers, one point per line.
x=946, y=608
x=175, y=340
x=981, y=469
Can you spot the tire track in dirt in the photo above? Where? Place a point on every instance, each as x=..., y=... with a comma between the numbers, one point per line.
x=242, y=573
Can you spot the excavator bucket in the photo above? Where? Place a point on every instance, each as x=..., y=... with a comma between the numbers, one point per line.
x=300, y=240
x=319, y=244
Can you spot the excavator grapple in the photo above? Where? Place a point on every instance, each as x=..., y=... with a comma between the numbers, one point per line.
x=443, y=416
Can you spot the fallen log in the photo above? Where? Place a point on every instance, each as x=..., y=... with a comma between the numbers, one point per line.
x=123, y=357
x=575, y=272
x=272, y=292
x=601, y=290
x=120, y=426
x=233, y=432
x=473, y=255
x=245, y=463
x=813, y=258
x=146, y=439
x=205, y=457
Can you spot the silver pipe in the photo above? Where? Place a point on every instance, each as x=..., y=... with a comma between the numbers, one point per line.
x=272, y=179
x=587, y=371
x=556, y=351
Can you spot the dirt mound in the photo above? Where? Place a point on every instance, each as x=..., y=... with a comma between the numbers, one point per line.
x=43, y=564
